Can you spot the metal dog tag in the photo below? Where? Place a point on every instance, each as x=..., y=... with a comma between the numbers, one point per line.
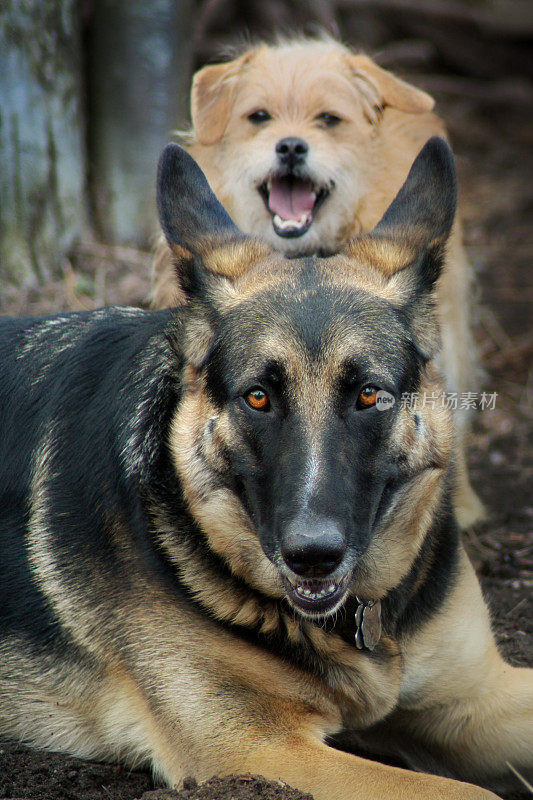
x=368, y=624
x=372, y=624
x=359, y=643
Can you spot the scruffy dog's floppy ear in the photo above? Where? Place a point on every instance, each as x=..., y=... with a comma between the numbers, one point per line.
x=212, y=97
x=392, y=91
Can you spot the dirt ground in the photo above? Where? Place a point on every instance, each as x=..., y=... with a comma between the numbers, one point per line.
x=493, y=147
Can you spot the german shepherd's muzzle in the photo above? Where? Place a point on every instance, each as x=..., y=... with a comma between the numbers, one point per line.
x=228, y=541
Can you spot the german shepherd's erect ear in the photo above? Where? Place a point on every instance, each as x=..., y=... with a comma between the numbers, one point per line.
x=423, y=211
x=189, y=212
x=210, y=250
x=192, y=218
x=409, y=241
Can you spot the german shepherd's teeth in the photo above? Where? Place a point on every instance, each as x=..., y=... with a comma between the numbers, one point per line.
x=318, y=594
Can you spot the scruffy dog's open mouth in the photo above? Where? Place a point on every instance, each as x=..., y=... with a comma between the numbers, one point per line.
x=315, y=597
x=292, y=202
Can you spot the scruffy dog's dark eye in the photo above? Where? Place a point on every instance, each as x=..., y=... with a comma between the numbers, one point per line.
x=367, y=397
x=259, y=116
x=257, y=399
x=329, y=120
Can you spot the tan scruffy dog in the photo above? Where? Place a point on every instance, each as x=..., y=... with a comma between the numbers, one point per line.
x=306, y=144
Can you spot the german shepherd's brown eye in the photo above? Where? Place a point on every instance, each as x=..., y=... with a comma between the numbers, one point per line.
x=329, y=120
x=257, y=399
x=367, y=397
x=259, y=116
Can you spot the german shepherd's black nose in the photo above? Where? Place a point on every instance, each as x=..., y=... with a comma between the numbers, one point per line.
x=313, y=545
x=291, y=151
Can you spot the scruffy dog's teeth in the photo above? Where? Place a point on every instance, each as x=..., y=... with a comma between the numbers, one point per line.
x=291, y=224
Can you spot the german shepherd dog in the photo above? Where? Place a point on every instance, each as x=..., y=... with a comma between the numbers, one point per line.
x=228, y=546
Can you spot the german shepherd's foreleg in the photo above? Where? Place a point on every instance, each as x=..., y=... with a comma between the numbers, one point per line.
x=219, y=705
x=471, y=708
x=333, y=775
x=292, y=750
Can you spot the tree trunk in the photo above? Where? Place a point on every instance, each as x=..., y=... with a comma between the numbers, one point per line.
x=42, y=161
x=139, y=65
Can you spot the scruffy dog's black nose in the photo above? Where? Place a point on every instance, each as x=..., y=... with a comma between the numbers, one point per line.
x=292, y=151
x=313, y=546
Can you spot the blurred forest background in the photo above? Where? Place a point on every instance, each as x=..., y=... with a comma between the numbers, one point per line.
x=90, y=91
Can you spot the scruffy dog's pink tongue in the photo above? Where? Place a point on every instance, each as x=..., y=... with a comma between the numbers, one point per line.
x=290, y=199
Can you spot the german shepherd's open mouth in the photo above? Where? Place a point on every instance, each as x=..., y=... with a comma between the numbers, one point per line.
x=292, y=200
x=316, y=597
